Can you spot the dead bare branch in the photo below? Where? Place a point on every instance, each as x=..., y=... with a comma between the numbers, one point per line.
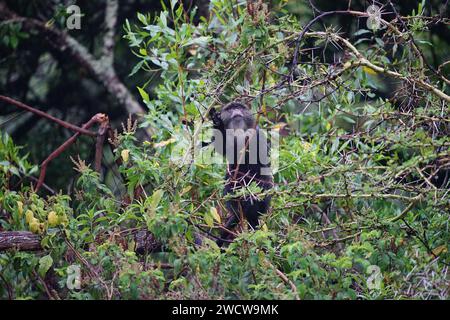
x=47, y=116
x=98, y=118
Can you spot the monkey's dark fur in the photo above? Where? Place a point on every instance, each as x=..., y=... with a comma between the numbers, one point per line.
x=240, y=170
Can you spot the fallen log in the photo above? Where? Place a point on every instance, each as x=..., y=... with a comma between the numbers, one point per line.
x=19, y=240
x=28, y=241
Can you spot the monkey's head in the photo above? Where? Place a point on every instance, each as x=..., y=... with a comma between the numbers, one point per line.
x=237, y=116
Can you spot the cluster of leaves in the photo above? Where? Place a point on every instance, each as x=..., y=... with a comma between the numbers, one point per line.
x=355, y=187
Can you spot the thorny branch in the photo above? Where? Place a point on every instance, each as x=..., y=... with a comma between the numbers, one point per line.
x=330, y=78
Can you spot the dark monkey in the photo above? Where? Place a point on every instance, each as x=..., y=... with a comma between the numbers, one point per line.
x=246, y=149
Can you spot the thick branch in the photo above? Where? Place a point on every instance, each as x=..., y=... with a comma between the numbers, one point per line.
x=110, y=24
x=100, y=69
x=19, y=240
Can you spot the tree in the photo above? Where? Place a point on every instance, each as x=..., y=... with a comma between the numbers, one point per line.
x=360, y=197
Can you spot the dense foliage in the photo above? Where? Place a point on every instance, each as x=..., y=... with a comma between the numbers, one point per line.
x=360, y=207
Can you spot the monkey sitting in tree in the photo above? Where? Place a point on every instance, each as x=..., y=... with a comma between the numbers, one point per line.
x=245, y=147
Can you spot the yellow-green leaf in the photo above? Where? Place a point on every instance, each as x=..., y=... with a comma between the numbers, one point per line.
x=209, y=220
x=215, y=214
x=144, y=94
x=441, y=249
x=156, y=198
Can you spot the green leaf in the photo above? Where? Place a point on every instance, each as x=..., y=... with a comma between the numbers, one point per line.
x=142, y=18
x=361, y=31
x=209, y=219
x=44, y=265
x=200, y=41
x=156, y=198
x=14, y=41
x=214, y=214
x=144, y=94
x=14, y=170
x=143, y=51
x=136, y=68
x=163, y=19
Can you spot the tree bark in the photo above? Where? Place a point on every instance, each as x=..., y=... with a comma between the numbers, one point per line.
x=101, y=68
x=19, y=240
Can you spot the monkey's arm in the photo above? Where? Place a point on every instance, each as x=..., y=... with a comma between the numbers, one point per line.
x=215, y=118
x=218, y=144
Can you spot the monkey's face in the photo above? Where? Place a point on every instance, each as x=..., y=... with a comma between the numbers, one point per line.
x=236, y=116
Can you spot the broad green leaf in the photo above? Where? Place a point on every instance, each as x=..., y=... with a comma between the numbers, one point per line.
x=156, y=198
x=44, y=265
